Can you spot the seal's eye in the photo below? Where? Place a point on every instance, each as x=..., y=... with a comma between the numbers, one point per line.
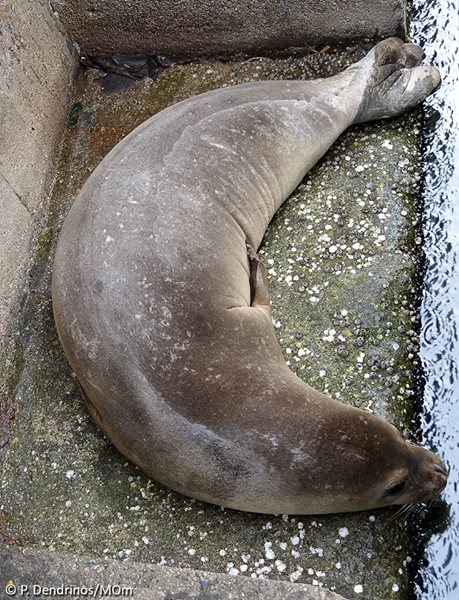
x=395, y=489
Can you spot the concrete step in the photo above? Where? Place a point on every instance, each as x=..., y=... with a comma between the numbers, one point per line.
x=31, y=571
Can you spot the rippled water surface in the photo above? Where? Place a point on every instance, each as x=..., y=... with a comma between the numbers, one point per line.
x=436, y=27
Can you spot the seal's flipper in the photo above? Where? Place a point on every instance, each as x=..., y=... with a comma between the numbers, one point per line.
x=413, y=55
x=259, y=292
x=395, y=81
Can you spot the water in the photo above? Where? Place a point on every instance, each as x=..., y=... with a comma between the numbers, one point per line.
x=435, y=27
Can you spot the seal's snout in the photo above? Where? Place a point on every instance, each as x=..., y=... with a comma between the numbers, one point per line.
x=440, y=475
x=434, y=475
x=429, y=475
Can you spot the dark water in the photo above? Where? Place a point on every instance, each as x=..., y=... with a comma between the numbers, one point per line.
x=435, y=27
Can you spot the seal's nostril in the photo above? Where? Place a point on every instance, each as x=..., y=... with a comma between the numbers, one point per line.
x=441, y=469
x=441, y=476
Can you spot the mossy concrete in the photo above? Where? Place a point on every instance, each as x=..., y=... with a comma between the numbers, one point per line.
x=342, y=260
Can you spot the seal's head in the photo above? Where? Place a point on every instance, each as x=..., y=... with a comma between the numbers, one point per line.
x=376, y=467
x=423, y=478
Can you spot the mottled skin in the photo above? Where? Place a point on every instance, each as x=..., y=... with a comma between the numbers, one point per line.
x=162, y=307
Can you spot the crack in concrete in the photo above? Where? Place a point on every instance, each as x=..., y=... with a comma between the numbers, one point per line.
x=18, y=196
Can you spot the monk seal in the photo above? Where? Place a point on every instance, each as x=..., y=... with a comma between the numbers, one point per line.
x=162, y=307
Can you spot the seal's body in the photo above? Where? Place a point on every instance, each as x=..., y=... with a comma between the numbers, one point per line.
x=162, y=307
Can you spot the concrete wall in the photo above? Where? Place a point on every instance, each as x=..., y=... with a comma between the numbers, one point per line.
x=188, y=28
x=36, y=73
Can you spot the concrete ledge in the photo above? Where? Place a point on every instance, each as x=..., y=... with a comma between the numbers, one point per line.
x=147, y=581
x=181, y=28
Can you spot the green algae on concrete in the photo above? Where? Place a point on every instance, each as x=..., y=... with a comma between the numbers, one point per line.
x=341, y=255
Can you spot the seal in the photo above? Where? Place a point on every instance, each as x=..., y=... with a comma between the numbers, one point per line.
x=162, y=306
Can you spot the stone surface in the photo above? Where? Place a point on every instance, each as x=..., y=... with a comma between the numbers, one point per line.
x=15, y=233
x=209, y=28
x=348, y=330
x=37, y=68
x=40, y=569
